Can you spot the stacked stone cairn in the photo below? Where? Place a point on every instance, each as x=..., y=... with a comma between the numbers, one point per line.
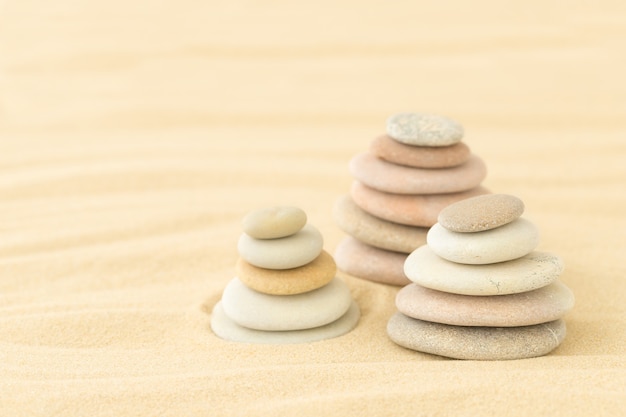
x=408, y=176
x=480, y=289
x=285, y=289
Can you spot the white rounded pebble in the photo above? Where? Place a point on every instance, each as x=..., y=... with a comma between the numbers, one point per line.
x=282, y=253
x=255, y=310
x=227, y=329
x=503, y=243
x=423, y=129
x=535, y=270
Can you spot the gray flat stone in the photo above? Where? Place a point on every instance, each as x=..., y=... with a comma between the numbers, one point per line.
x=374, y=231
x=476, y=343
x=227, y=329
x=532, y=271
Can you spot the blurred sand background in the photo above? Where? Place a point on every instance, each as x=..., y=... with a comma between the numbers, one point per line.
x=135, y=135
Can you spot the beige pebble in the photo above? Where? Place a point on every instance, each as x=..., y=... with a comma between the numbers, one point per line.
x=412, y=210
x=476, y=343
x=367, y=262
x=305, y=278
x=396, y=152
x=374, y=231
x=385, y=176
x=274, y=222
x=545, y=304
x=481, y=213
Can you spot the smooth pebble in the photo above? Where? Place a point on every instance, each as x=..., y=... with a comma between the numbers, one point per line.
x=374, y=231
x=367, y=262
x=504, y=243
x=535, y=270
x=391, y=178
x=391, y=150
x=274, y=222
x=305, y=278
x=476, y=343
x=481, y=213
x=282, y=253
x=255, y=310
x=412, y=210
x=227, y=329
x=423, y=129
x=523, y=309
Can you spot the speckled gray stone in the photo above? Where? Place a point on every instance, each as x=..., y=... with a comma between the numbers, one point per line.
x=374, y=231
x=481, y=213
x=227, y=329
x=391, y=178
x=274, y=222
x=476, y=343
x=282, y=253
x=545, y=304
x=504, y=243
x=535, y=270
x=422, y=129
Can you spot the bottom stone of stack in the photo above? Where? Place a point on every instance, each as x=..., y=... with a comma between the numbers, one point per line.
x=227, y=329
x=373, y=264
x=476, y=343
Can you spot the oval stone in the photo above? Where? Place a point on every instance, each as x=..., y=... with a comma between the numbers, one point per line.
x=391, y=150
x=282, y=253
x=255, y=310
x=391, y=178
x=305, y=278
x=522, y=309
x=423, y=129
x=504, y=243
x=227, y=329
x=374, y=231
x=412, y=210
x=476, y=343
x=535, y=270
x=481, y=213
x=367, y=262
x=274, y=222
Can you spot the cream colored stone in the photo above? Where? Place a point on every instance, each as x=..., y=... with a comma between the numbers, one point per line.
x=423, y=129
x=274, y=222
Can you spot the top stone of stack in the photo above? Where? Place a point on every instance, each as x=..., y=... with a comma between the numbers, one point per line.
x=481, y=213
x=422, y=129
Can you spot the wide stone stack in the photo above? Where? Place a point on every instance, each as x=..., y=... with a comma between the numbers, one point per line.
x=408, y=176
x=480, y=289
x=285, y=290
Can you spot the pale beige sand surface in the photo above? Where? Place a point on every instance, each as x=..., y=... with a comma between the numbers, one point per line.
x=135, y=135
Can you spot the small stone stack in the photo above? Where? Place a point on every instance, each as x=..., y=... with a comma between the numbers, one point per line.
x=408, y=176
x=480, y=290
x=285, y=290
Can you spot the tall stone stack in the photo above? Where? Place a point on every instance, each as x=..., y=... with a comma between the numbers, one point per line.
x=401, y=184
x=480, y=289
x=285, y=289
